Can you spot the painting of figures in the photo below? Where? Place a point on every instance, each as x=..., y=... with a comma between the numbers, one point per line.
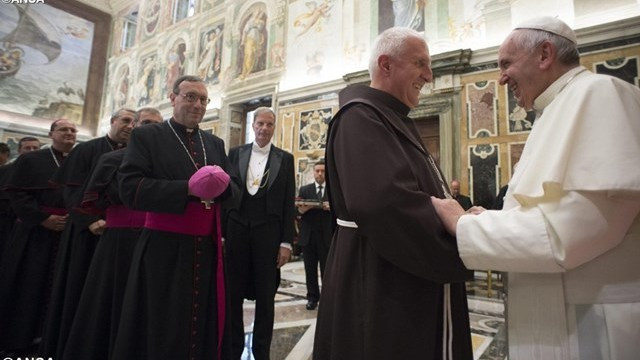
x=252, y=51
x=146, y=89
x=406, y=13
x=150, y=17
x=44, y=61
x=210, y=54
x=121, y=87
x=176, y=62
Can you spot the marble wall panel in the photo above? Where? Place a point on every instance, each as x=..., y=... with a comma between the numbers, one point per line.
x=483, y=173
x=625, y=68
x=482, y=114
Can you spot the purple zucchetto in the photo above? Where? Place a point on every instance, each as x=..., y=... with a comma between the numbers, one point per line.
x=208, y=182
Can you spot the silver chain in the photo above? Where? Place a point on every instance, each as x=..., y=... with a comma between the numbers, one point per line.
x=435, y=169
x=185, y=147
x=54, y=157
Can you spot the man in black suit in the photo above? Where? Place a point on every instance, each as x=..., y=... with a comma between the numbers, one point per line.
x=464, y=201
x=259, y=231
x=315, y=232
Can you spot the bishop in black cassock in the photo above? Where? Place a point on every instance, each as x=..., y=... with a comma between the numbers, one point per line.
x=81, y=233
x=26, y=275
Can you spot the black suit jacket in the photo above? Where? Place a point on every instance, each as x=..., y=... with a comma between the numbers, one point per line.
x=464, y=201
x=315, y=219
x=280, y=187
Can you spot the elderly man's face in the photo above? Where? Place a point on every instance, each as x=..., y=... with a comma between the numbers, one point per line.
x=263, y=127
x=410, y=72
x=520, y=71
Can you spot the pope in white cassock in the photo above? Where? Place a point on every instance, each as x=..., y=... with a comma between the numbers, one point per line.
x=569, y=233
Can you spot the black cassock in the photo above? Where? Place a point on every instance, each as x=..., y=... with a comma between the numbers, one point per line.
x=25, y=279
x=384, y=291
x=77, y=243
x=96, y=321
x=7, y=217
x=169, y=309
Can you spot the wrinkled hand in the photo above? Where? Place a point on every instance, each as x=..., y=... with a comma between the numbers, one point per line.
x=55, y=222
x=283, y=256
x=449, y=212
x=97, y=228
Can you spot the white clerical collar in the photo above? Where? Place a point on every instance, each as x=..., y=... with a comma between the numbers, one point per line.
x=547, y=96
x=262, y=150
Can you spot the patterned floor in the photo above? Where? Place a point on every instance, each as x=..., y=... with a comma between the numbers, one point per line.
x=295, y=325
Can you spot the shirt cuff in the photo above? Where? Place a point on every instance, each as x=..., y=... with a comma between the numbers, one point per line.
x=286, y=245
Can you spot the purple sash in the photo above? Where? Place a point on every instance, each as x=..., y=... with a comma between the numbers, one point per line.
x=120, y=216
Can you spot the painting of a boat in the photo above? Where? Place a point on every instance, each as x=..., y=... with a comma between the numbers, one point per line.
x=45, y=54
x=31, y=30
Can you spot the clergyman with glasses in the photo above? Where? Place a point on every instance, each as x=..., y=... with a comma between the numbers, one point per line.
x=259, y=232
x=173, y=306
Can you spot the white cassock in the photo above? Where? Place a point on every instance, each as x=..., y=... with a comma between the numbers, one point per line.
x=569, y=234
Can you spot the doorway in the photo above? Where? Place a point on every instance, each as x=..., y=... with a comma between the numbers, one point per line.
x=429, y=129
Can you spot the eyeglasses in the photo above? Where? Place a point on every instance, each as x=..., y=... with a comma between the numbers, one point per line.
x=191, y=98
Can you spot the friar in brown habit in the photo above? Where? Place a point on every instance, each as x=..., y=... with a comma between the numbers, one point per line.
x=394, y=283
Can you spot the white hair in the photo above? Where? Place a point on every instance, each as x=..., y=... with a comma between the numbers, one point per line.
x=390, y=42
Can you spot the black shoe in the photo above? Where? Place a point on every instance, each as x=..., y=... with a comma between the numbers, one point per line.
x=312, y=304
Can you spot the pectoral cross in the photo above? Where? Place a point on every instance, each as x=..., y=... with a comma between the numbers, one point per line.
x=206, y=203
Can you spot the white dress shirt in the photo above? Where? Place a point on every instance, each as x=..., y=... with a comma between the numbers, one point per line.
x=257, y=164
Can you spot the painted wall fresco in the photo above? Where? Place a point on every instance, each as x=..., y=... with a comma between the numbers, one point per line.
x=254, y=37
x=313, y=46
x=122, y=85
x=147, y=85
x=406, y=13
x=149, y=18
x=44, y=61
x=175, y=63
x=210, y=53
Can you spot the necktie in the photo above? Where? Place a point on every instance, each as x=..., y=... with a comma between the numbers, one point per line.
x=320, y=192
